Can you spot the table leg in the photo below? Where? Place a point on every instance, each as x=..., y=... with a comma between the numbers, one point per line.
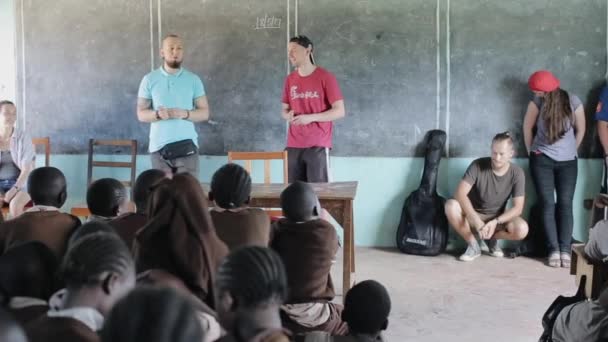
x=351, y=224
x=348, y=252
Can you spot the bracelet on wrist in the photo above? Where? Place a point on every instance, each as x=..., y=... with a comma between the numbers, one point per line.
x=158, y=116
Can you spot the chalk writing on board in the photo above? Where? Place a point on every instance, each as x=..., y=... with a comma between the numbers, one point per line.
x=267, y=22
x=343, y=35
x=413, y=139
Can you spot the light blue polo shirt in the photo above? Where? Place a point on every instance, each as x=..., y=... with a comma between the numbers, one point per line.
x=171, y=91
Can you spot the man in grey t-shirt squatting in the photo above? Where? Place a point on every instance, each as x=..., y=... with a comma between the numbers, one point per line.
x=480, y=202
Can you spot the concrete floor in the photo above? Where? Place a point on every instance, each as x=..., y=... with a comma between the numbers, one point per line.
x=443, y=299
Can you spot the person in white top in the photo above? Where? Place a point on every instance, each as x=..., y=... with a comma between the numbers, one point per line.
x=17, y=159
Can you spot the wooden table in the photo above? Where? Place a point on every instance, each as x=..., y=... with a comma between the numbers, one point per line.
x=337, y=198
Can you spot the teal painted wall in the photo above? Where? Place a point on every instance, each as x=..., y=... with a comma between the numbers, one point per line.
x=384, y=183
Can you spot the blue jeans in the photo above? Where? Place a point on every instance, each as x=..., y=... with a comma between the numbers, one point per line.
x=555, y=179
x=7, y=184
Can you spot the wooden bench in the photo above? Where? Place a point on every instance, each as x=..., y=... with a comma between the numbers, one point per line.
x=596, y=272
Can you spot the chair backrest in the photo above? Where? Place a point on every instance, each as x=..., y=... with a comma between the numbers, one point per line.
x=46, y=143
x=249, y=157
x=132, y=165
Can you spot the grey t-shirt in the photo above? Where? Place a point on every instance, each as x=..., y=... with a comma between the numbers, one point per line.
x=584, y=321
x=597, y=245
x=490, y=192
x=563, y=149
x=8, y=169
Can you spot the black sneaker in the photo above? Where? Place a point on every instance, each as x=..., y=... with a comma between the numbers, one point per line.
x=493, y=248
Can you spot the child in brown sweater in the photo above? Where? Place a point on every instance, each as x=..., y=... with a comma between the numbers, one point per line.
x=126, y=225
x=366, y=309
x=307, y=245
x=251, y=286
x=43, y=222
x=28, y=279
x=235, y=222
x=98, y=270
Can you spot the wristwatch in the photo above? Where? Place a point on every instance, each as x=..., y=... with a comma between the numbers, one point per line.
x=158, y=116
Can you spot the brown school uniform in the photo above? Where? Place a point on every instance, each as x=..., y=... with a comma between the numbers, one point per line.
x=27, y=314
x=247, y=227
x=127, y=225
x=161, y=278
x=51, y=227
x=307, y=250
x=59, y=329
x=179, y=236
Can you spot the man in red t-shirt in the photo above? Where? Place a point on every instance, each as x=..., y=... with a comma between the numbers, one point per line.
x=311, y=101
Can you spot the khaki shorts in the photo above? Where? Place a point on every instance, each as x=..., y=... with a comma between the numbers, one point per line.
x=487, y=218
x=188, y=164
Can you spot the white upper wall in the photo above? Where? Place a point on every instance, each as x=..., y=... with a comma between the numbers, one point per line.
x=7, y=57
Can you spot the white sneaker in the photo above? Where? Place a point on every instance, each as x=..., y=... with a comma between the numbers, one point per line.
x=472, y=253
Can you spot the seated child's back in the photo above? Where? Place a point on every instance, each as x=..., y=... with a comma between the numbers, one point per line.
x=235, y=223
x=127, y=225
x=307, y=245
x=43, y=222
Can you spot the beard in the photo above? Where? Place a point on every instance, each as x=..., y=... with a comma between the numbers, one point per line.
x=173, y=64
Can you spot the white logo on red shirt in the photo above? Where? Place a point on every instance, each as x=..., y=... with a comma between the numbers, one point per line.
x=304, y=95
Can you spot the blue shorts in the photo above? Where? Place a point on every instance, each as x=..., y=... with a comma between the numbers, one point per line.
x=7, y=184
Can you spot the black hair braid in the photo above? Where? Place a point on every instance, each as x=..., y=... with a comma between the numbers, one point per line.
x=93, y=255
x=105, y=195
x=153, y=315
x=253, y=275
x=231, y=186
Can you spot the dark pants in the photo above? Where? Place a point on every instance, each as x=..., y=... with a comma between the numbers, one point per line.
x=555, y=179
x=308, y=164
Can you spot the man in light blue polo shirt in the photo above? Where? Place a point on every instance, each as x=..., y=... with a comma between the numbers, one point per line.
x=601, y=116
x=171, y=99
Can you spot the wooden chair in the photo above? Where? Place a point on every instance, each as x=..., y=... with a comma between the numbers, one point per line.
x=82, y=210
x=46, y=143
x=249, y=157
x=596, y=273
x=267, y=157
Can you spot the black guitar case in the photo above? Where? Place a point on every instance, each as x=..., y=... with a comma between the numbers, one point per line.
x=423, y=229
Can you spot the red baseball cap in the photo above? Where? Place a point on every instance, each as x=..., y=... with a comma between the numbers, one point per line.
x=543, y=80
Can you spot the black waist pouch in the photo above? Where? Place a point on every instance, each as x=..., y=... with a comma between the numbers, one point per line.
x=178, y=149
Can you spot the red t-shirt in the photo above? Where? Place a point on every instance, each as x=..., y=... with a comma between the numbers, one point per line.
x=310, y=95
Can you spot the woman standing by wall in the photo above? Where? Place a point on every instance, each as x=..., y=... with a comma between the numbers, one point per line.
x=559, y=119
